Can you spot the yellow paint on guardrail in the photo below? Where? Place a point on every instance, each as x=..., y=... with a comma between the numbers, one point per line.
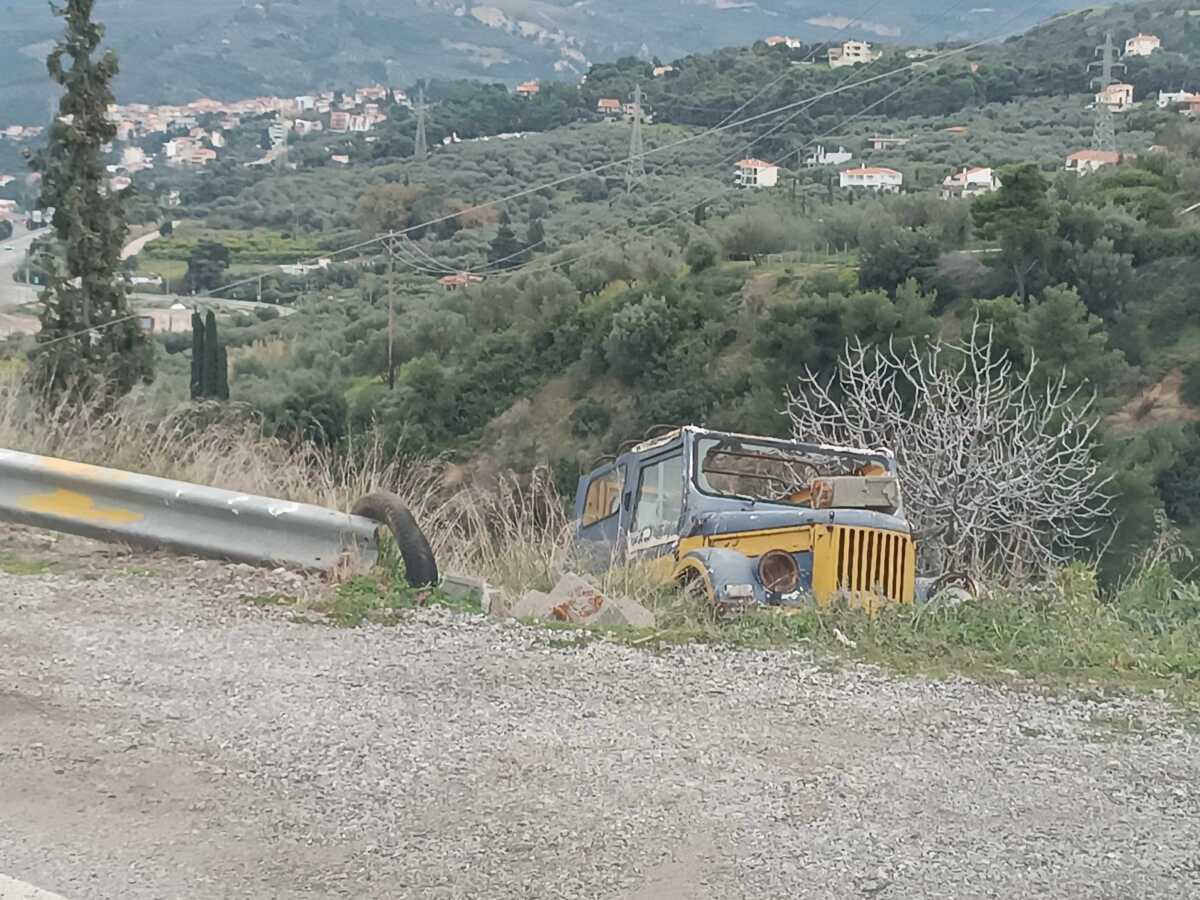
x=83, y=470
x=80, y=507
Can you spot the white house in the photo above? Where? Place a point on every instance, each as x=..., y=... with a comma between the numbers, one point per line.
x=822, y=157
x=888, y=143
x=755, y=173
x=1117, y=97
x=1182, y=99
x=873, y=178
x=1087, y=161
x=970, y=182
x=790, y=42
x=133, y=158
x=306, y=104
x=852, y=53
x=278, y=132
x=1142, y=45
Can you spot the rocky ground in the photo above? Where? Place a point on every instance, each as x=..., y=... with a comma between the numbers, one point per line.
x=163, y=736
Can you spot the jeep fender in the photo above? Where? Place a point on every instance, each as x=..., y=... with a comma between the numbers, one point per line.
x=717, y=567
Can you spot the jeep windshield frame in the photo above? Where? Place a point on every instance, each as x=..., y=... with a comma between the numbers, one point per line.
x=761, y=470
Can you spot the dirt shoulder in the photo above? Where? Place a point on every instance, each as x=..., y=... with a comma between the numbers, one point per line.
x=163, y=735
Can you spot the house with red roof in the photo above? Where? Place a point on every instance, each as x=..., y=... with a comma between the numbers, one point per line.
x=1085, y=162
x=969, y=182
x=756, y=173
x=872, y=178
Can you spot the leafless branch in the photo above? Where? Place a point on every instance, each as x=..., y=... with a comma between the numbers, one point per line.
x=999, y=472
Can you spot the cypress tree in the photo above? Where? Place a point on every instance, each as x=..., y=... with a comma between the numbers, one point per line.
x=535, y=238
x=89, y=343
x=222, y=374
x=197, y=356
x=505, y=249
x=212, y=357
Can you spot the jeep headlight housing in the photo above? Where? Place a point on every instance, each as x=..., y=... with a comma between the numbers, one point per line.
x=779, y=572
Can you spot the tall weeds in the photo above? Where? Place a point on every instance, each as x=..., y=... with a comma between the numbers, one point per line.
x=514, y=532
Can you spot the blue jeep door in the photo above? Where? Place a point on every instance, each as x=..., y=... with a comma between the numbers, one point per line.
x=657, y=506
x=598, y=509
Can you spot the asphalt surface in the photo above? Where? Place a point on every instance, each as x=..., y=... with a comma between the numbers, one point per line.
x=160, y=736
x=14, y=295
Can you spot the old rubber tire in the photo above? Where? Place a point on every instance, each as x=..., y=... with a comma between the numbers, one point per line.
x=420, y=568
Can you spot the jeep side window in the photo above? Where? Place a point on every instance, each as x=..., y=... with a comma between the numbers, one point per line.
x=660, y=497
x=603, y=498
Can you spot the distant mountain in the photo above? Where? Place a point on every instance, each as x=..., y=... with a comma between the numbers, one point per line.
x=178, y=50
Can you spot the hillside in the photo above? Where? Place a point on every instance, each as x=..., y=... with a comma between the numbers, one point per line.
x=609, y=305
x=176, y=50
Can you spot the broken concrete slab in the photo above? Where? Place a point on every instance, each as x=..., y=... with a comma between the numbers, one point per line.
x=575, y=599
x=463, y=586
x=533, y=605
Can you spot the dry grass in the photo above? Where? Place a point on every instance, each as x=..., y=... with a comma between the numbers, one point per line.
x=514, y=533
x=517, y=535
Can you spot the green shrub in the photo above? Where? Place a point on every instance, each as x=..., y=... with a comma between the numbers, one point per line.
x=1190, y=390
x=702, y=254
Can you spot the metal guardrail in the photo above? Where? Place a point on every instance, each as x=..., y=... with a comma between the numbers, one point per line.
x=144, y=511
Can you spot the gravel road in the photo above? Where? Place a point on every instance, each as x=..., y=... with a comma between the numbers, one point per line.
x=160, y=737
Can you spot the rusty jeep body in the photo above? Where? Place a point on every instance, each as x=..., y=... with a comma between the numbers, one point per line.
x=753, y=519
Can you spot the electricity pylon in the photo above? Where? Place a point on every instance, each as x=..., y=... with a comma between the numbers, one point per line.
x=1104, y=131
x=636, y=169
x=421, y=148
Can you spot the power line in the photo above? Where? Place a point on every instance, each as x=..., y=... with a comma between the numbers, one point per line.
x=497, y=265
x=718, y=129
x=552, y=265
x=566, y=179
x=692, y=207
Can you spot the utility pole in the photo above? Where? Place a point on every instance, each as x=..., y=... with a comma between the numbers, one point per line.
x=636, y=170
x=391, y=290
x=1104, y=131
x=421, y=148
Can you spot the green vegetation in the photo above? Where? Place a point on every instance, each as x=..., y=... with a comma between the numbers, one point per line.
x=383, y=600
x=602, y=335
x=1061, y=635
x=605, y=311
x=14, y=564
x=256, y=247
x=229, y=48
x=270, y=600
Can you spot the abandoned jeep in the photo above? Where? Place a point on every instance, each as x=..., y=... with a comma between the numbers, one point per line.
x=753, y=519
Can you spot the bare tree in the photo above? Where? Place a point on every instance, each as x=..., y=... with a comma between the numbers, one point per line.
x=998, y=472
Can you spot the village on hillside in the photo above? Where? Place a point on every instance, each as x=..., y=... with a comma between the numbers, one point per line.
x=195, y=134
